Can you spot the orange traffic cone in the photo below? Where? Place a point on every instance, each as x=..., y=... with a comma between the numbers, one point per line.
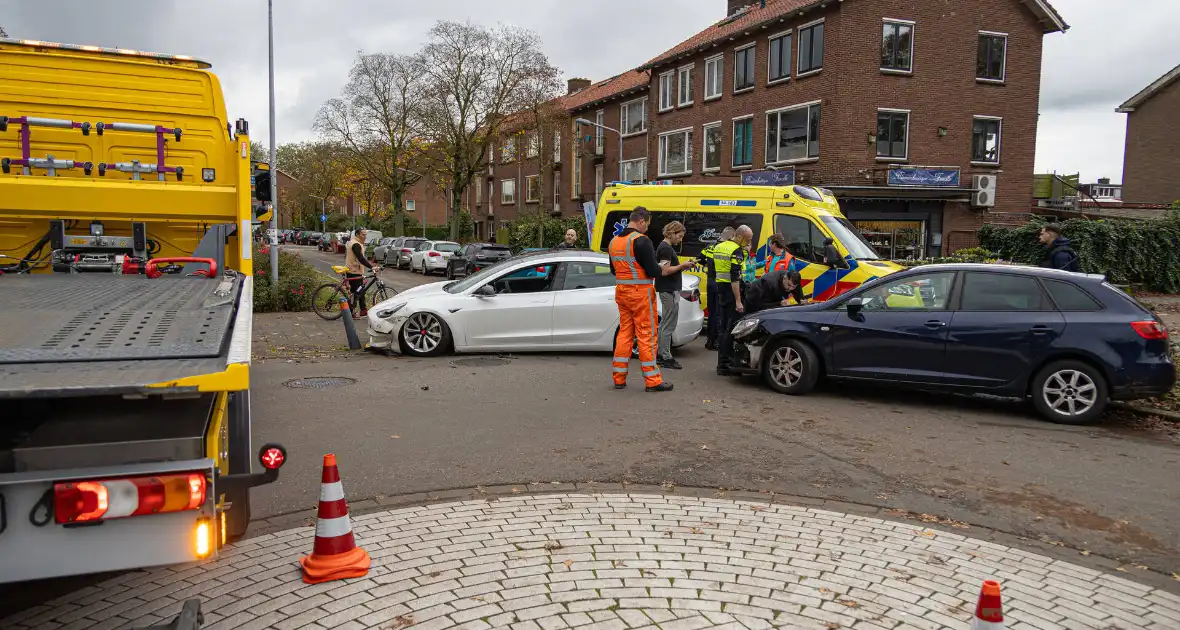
x=335, y=555
x=989, y=612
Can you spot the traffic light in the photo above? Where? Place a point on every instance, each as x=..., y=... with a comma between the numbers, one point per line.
x=262, y=185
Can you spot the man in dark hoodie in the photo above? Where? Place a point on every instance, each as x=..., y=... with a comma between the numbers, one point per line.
x=1059, y=255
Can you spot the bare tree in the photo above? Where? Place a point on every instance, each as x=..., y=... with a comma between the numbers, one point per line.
x=475, y=77
x=541, y=117
x=377, y=122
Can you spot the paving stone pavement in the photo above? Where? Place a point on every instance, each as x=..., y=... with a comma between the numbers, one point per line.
x=620, y=562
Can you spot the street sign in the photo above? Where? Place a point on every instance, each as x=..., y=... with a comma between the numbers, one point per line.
x=323, y=217
x=769, y=178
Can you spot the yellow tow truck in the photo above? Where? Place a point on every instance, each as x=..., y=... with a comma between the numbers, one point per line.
x=125, y=313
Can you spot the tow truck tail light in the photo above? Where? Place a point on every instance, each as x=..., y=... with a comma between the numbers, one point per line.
x=100, y=499
x=1150, y=329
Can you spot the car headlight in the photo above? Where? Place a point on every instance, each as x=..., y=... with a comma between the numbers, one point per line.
x=388, y=312
x=745, y=327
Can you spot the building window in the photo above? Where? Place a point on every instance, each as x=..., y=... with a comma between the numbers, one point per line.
x=985, y=140
x=634, y=117
x=532, y=188
x=667, y=89
x=557, y=146
x=599, y=136
x=507, y=191
x=556, y=192
x=598, y=182
x=508, y=150
x=743, y=68
x=897, y=46
x=743, y=142
x=714, y=70
x=792, y=133
x=893, y=131
x=577, y=188
x=478, y=194
x=684, y=86
x=534, y=144
x=491, y=194
x=675, y=157
x=410, y=205
x=635, y=171
x=990, y=61
x=811, y=48
x=712, y=149
x=779, y=66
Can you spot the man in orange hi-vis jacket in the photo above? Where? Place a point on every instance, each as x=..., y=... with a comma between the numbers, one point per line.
x=633, y=261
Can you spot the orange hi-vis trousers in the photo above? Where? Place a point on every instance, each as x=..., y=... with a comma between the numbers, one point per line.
x=637, y=321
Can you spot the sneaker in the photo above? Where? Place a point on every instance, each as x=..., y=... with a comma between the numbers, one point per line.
x=622, y=386
x=662, y=387
x=709, y=345
x=671, y=364
x=361, y=315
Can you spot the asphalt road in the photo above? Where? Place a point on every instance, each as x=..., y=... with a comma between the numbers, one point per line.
x=410, y=425
x=323, y=261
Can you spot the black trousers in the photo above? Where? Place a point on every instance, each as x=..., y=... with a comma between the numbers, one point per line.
x=728, y=317
x=714, y=312
x=357, y=285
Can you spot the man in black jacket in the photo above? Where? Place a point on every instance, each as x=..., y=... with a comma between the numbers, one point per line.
x=1060, y=254
x=774, y=289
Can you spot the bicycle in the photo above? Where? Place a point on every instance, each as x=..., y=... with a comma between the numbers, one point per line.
x=325, y=300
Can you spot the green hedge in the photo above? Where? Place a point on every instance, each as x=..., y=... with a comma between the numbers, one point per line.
x=1127, y=252
x=523, y=232
x=297, y=280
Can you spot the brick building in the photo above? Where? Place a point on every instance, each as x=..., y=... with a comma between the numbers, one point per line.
x=1153, y=142
x=847, y=94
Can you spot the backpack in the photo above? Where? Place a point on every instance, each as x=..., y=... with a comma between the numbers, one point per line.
x=1073, y=264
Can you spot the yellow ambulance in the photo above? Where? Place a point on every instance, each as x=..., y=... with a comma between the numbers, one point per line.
x=804, y=215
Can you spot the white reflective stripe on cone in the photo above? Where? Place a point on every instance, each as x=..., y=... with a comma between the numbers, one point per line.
x=332, y=527
x=122, y=498
x=979, y=624
x=331, y=491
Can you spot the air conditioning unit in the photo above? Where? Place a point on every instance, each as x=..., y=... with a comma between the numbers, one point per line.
x=983, y=193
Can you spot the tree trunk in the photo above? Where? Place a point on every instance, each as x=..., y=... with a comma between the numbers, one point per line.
x=456, y=205
x=399, y=217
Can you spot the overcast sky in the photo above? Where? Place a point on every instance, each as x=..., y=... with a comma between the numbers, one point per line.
x=1101, y=61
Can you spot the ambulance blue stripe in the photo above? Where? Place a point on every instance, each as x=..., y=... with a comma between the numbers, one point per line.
x=741, y=203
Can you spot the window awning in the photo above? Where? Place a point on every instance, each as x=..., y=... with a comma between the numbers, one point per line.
x=925, y=193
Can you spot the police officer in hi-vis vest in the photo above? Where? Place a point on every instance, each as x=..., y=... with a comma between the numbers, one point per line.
x=706, y=259
x=633, y=261
x=729, y=258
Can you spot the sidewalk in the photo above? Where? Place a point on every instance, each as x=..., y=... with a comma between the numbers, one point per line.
x=300, y=335
x=620, y=561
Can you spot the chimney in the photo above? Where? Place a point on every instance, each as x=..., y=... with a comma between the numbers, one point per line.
x=1105, y=181
x=576, y=85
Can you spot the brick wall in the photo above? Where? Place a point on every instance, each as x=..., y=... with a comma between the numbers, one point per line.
x=1150, y=173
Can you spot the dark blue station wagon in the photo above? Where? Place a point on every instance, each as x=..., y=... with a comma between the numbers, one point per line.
x=1068, y=342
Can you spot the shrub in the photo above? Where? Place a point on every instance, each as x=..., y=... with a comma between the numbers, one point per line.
x=1126, y=252
x=970, y=255
x=524, y=231
x=297, y=280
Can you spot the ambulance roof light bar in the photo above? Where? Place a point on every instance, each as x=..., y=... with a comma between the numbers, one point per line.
x=109, y=51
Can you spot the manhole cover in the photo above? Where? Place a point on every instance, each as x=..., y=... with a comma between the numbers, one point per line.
x=479, y=362
x=317, y=382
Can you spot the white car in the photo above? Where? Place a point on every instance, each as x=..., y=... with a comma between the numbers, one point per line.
x=543, y=301
x=432, y=256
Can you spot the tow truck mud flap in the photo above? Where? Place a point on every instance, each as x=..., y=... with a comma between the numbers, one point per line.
x=35, y=545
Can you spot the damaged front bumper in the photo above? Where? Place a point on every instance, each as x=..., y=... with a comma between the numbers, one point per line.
x=384, y=333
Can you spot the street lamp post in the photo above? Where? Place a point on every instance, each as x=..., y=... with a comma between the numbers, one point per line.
x=620, y=134
x=274, y=180
x=323, y=214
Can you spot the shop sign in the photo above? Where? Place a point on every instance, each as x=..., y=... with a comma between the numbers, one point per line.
x=918, y=176
x=769, y=178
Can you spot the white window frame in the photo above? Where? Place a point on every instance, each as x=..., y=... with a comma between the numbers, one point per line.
x=733, y=137
x=533, y=144
x=557, y=146
x=528, y=198
x=705, y=168
x=736, y=89
x=411, y=205
x=556, y=192
x=599, y=182
x=576, y=188
x=799, y=74
x=667, y=87
x=913, y=36
x=662, y=144
x=807, y=106
x=599, y=134
x=717, y=62
x=507, y=198
x=908, y=115
x=623, y=116
x=787, y=33
x=1004, y=73
x=478, y=194
x=643, y=161
x=681, y=73
x=508, y=150
x=491, y=194
x=999, y=139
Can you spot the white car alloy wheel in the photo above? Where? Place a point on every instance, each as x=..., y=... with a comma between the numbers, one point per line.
x=423, y=333
x=1070, y=392
x=786, y=366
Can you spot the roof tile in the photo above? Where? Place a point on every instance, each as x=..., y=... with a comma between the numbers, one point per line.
x=613, y=86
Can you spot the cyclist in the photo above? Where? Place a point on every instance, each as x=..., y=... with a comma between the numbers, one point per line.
x=354, y=259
